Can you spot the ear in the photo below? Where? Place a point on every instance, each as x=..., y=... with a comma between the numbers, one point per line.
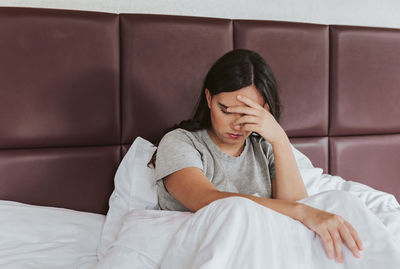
x=208, y=97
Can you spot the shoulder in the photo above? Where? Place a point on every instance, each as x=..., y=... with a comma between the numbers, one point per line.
x=181, y=139
x=176, y=151
x=178, y=135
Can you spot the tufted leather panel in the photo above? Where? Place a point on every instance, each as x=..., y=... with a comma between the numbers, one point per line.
x=76, y=178
x=365, y=80
x=124, y=149
x=298, y=54
x=59, y=78
x=315, y=148
x=65, y=122
x=372, y=160
x=164, y=61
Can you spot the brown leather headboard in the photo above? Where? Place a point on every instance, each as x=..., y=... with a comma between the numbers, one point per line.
x=76, y=88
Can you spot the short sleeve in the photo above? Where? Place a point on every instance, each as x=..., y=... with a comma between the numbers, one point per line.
x=271, y=161
x=176, y=151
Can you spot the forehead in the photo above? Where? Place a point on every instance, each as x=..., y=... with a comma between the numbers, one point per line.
x=229, y=98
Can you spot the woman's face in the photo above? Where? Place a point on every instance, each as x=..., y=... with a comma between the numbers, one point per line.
x=223, y=131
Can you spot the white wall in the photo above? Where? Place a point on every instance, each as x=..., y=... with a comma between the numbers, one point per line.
x=381, y=13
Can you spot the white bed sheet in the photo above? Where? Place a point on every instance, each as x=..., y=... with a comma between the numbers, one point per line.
x=47, y=237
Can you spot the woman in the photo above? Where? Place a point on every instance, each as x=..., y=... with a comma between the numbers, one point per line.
x=234, y=146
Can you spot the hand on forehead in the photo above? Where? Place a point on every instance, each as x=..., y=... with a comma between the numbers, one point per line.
x=245, y=101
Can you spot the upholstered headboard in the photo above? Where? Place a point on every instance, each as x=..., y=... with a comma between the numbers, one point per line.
x=76, y=88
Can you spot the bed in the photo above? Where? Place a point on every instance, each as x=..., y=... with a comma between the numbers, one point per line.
x=77, y=88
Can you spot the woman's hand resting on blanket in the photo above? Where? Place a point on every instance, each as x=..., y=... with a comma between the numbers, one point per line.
x=332, y=229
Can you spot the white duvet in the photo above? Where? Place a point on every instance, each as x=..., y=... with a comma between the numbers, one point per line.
x=236, y=232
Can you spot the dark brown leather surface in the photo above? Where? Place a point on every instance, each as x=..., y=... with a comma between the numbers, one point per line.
x=59, y=105
x=372, y=160
x=316, y=149
x=77, y=178
x=59, y=77
x=76, y=88
x=298, y=54
x=365, y=81
x=164, y=61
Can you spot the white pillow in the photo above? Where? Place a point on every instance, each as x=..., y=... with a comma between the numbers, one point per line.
x=47, y=237
x=134, y=189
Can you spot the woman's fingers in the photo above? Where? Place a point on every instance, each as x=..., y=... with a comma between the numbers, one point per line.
x=246, y=125
x=333, y=230
x=354, y=234
x=251, y=107
x=328, y=243
x=349, y=240
x=340, y=231
x=246, y=119
x=337, y=242
x=248, y=101
x=346, y=233
x=243, y=110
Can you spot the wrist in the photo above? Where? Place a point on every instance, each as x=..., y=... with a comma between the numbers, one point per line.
x=283, y=140
x=299, y=211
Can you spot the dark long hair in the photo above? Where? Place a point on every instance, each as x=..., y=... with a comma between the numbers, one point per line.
x=236, y=69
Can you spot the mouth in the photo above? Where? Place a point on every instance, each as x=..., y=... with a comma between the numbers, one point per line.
x=234, y=136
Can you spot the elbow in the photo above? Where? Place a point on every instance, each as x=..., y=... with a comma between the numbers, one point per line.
x=302, y=196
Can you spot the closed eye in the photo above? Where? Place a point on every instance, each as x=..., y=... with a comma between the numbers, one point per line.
x=223, y=111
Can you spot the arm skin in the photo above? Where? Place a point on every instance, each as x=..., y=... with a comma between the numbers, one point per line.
x=288, y=184
x=191, y=188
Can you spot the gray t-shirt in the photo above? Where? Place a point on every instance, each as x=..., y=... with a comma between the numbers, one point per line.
x=249, y=173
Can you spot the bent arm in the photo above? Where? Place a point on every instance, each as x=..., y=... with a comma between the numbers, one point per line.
x=191, y=188
x=288, y=184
